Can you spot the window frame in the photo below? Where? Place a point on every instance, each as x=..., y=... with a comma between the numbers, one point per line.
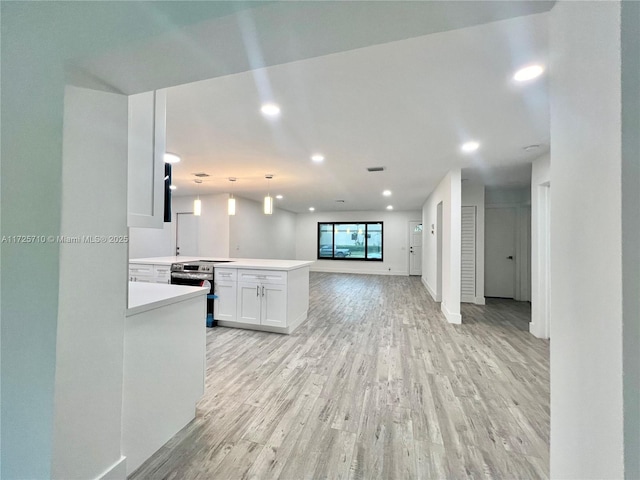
x=366, y=241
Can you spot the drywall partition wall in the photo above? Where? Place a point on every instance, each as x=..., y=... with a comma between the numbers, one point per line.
x=540, y=243
x=586, y=264
x=448, y=192
x=93, y=287
x=631, y=233
x=473, y=195
x=395, y=242
x=252, y=234
x=31, y=205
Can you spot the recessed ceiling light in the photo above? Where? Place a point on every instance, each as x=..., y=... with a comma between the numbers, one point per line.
x=171, y=158
x=172, y=187
x=270, y=109
x=387, y=193
x=279, y=197
x=470, y=146
x=528, y=73
x=311, y=209
x=317, y=157
x=389, y=207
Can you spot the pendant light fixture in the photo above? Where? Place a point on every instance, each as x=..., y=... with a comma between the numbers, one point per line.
x=268, y=200
x=231, y=205
x=197, y=203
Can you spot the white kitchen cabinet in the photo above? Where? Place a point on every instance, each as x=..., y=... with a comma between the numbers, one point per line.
x=141, y=273
x=162, y=273
x=274, y=305
x=262, y=298
x=146, y=149
x=249, y=303
x=256, y=294
x=226, y=289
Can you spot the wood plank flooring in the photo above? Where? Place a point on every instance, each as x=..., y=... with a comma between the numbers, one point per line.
x=375, y=384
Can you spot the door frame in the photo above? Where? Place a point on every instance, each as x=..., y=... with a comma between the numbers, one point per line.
x=410, y=246
x=175, y=244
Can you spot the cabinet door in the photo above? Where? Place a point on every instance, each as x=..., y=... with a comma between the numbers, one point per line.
x=162, y=273
x=225, y=305
x=249, y=300
x=146, y=149
x=274, y=305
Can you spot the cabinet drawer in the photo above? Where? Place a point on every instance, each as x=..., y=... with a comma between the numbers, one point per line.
x=225, y=274
x=140, y=269
x=263, y=276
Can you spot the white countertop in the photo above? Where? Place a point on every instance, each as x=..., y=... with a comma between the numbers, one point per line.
x=145, y=296
x=245, y=263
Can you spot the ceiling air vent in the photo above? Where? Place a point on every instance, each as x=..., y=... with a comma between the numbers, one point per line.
x=375, y=169
x=201, y=174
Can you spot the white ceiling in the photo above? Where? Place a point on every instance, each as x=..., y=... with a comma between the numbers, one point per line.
x=406, y=105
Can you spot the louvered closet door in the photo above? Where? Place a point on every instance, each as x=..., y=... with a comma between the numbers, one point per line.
x=468, y=260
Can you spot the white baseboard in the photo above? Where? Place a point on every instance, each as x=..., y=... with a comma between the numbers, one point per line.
x=537, y=332
x=436, y=297
x=450, y=316
x=323, y=269
x=480, y=301
x=117, y=471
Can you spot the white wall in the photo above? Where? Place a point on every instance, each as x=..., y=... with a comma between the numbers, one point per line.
x=213, y=224
x=252, y=234
x=631, y=233
x=449, y=193
x=152, y=242
x=540, y=236
x=395, y=241
x=93, y=287
x=213, y=230
x=473, y=196
x=586, y=267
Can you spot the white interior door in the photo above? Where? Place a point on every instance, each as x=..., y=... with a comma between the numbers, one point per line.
x=415, y=248
x=500, y=247
x=186, y=234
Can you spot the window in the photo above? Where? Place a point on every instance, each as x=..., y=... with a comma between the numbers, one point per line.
x=350, y=241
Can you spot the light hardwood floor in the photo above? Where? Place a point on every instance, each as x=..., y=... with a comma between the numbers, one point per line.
x=375, y=384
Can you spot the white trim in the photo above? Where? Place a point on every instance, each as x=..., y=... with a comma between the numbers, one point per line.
x=117, y=471
x=431, y=291
x=467, y=299
x=480, y=301
x=320, y=268
x=451, y=317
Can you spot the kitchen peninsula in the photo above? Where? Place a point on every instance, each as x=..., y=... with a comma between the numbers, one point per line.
x=258, y=294
x=164, y=365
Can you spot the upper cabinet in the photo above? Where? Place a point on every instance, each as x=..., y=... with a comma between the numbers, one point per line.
x=147, y=145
